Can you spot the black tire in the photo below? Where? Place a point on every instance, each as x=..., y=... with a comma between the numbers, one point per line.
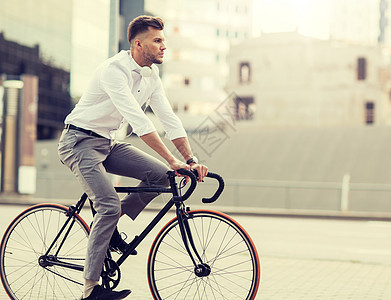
x=222, y=244
x=26, y=239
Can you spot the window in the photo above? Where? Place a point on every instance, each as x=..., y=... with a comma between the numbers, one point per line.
x=244, y=73
x=244, y=108
x=361, y=68
x=369, y=113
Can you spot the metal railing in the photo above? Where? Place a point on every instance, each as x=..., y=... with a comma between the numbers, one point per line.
x=284, y=194
x=344, y=190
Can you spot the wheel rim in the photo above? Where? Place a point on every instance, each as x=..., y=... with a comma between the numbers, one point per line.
x=223, y=246
x=24, y=272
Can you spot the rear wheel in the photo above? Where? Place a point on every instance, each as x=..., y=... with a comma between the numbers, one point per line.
x=230, y=268
x=25, y=272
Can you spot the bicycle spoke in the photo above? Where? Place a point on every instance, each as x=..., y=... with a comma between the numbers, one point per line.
x=223, y=289
x=181, y=250
x=174, y=267
x=233, y=274
x=179, y=283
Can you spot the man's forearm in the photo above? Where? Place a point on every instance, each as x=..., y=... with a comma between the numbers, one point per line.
x=154, y=141
x=183, y=146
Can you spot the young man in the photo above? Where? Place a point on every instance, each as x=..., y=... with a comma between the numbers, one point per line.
x=119, y=87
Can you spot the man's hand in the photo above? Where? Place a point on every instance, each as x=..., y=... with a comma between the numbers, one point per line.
x=177, y=164
x=201, y=170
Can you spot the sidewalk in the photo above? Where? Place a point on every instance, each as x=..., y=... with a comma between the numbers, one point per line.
x=287, y=278
x=300, y=279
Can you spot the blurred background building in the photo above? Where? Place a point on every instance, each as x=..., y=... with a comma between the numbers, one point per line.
x=44, y=22
x=290, y=80
x=360, y=22
x=38, y=42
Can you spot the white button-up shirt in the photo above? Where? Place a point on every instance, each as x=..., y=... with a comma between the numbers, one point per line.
x=115, y=95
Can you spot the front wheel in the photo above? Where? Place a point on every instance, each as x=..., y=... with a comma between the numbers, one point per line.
x=26, y=272
x=231, y=268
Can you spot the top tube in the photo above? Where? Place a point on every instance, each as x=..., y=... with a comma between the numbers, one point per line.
x=174, y=189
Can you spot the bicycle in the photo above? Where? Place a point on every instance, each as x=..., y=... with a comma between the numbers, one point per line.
x=199, y=254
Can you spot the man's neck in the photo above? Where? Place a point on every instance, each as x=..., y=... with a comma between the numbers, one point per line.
x=138, y=59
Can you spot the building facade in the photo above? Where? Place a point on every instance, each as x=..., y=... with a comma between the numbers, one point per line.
x=44, y=22
x=54, y=101
x=285, y=79
x=357, y=21
x=361, y=21
x=128, y=10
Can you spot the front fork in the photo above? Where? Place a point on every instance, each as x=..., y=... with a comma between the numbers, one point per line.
x=201, y=269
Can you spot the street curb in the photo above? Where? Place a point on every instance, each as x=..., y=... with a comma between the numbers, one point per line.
x=315, y=214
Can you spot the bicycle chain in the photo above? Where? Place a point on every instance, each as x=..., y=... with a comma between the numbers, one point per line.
x=62, y=276
x=67, y=258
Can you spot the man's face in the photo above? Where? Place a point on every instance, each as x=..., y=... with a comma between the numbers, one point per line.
x=153, y=46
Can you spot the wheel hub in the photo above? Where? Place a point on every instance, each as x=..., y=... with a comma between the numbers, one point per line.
x=202, y=270
x=44, y=261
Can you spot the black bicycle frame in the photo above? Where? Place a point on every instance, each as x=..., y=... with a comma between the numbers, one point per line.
x=175, y=200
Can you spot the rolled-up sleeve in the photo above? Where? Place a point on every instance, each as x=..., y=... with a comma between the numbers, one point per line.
x=161, y=107
x=115, y=83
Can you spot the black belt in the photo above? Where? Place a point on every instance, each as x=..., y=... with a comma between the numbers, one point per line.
x=89, y=132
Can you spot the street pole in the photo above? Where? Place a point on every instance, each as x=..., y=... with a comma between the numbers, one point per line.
x=114, y=27
x=10, y=133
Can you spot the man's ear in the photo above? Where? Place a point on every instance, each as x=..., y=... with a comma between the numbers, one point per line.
x=137, y=44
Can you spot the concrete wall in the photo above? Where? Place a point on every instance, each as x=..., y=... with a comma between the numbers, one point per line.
x=271, y=168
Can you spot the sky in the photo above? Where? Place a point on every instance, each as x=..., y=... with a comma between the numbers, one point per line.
x=308, y=17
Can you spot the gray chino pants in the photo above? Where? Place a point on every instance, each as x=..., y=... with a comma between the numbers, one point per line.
x=91, y=159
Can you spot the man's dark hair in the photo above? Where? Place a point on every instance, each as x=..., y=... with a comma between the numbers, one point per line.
x=141, y=24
